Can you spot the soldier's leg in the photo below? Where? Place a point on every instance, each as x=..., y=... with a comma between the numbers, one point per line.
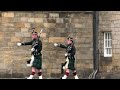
x=75, y=74
x=32, y=73
x=66, y=74
x=40, y=73
x=40, y=68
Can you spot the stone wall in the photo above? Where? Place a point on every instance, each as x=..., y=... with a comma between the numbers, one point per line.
x=110, y=21
x=14, y=27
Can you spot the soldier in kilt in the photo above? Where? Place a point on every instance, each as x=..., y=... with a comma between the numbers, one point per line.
x=70, y=59
x=36, y=54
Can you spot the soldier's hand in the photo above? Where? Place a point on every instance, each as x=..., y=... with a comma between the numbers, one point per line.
x=66, y=55
x=55, y=44
x=19, y=44
x=32, y=49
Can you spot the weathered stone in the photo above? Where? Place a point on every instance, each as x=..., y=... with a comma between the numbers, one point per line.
x=85, y=55
x=43, y=35
x=27, y=25
x=11, y=44
x=7, y=25
x=49, y=25
x=60, y=25
x=31, y=20
x=24, y=19
x=26, y=34
x=8, y=14
x=38, y=25
x=2, y=67
x=24, y=30
x=79, y=25
x=18, y=34
x=19, y=24
x=56, y=71
x=39, y=20
x=57, y=26
x=15, y=39
x=6, y=19
x=41, y=15
x=54, y=15
x=59, y=20
x=51, y=20
x=2, y=34
x=56, y=39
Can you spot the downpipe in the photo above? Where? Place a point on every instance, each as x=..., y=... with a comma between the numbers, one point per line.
x=91, y=75
x=95, y=45
x=95, y=71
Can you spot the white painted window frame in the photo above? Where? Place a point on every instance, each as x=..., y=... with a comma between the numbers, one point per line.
x=107, y=44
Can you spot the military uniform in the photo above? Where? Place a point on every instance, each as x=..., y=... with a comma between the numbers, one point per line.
x=71, y=50
x=37, y=45
x=70, y=59
x=36, y=58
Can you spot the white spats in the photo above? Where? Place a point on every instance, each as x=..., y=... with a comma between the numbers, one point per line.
x=40, y=77
x=76, y=77
x=28, y=65
x=64, y=77
x=30, y=77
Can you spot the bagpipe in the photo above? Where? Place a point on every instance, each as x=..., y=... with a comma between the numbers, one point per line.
x=33, y=31
x=64, y=65
x=30, y=61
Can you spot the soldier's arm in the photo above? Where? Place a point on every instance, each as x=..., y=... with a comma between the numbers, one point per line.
x=62, y=46
x=27, y=43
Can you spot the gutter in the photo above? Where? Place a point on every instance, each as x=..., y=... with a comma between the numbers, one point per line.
x=95, y=45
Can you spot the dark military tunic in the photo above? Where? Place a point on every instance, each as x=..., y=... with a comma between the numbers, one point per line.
x=71, y=50
x=37, y=45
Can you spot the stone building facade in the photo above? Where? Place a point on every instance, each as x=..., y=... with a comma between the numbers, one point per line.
x=15, y=25
x=109, y=21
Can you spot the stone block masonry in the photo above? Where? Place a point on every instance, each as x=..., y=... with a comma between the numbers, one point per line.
x=14, y=27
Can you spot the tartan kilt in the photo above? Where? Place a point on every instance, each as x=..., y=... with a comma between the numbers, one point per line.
x=37, y=63
x=71, y=64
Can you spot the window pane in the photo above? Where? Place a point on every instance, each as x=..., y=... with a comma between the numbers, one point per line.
x=110, y=51
x=105, y=36
x=107, y=50
x=110, y=43
x=108, y=36
x=107, y=44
